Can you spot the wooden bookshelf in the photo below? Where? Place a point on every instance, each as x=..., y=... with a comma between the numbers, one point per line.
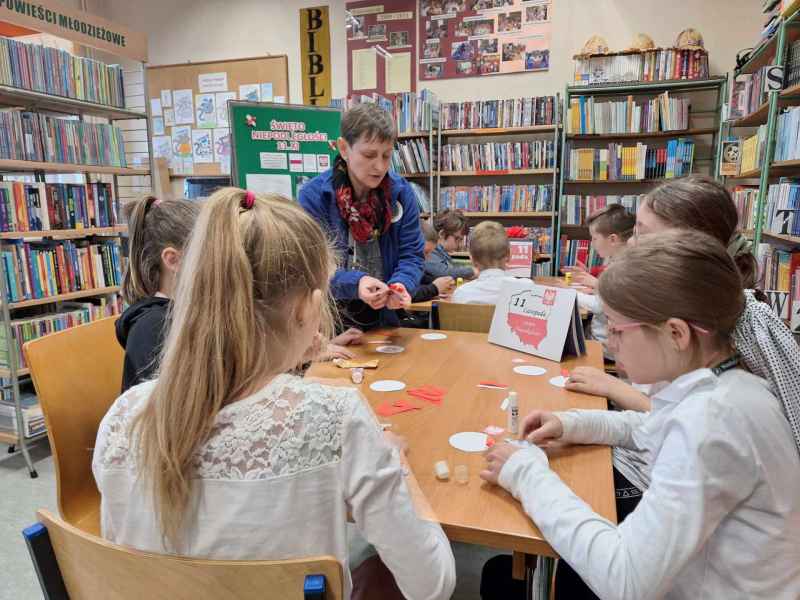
x=790, y=239
x=498, y=131
x=48, y=167
x=645, y=135
x=11, y=438
x=65, y=297
x=791, y=92
x=414, y=175
x=497, y=173
x=613, y=181
x=755, y=118
x=412, y=134
x=508, y=215
x=20, y=372
x=63, y=234
x=784, y=167
x=752, y=174
x=645, y=87
x=12, y=96
x=540, y=257
x=174, y=175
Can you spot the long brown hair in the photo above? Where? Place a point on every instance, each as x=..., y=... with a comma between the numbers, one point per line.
x=152, y=226
x=676, y=274
x=242, y=276
x=703, y=204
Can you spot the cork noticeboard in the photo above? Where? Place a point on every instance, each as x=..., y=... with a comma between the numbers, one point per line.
x=195, y=139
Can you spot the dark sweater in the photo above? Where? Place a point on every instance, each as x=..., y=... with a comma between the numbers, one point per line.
x=140, y=331
x=426, y=290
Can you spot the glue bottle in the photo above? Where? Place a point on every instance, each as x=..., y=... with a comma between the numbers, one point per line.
x=459, y=282
x=513, y=413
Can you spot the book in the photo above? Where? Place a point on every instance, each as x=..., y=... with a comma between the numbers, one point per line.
x=498, y=156
x=745, y=198
x=411, y=157
x=658, y=64
x=782, y=211
x=587, y=115
x=497, y=198
x=575, y=209
x=487, y=114
x=618, y=162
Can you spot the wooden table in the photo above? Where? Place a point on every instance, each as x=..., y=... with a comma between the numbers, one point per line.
x=479, y=513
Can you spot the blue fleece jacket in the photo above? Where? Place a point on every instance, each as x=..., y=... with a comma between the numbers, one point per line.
x=401, y=246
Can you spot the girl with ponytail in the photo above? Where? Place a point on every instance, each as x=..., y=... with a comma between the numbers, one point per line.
x=226, y=455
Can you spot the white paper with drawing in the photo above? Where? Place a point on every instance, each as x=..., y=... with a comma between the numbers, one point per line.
x=250, y=92
x=221, y=101
x=222, y=148
x=206, y=111
x=184, y=107
x=208, y=83
x=202, y=146
x=537, y=319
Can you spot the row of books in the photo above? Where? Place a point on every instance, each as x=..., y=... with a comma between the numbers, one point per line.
x=782, y=213
x=745, y=199
x=46, y=269
x=43, y=138
x=33, y=422
x=748, y=93
x=54, y=206
x=499, y=156
x=661, y=64
x=572, y=251
x=630, y=163
x=416, y=111
x=411, y=156
x=787, y=143
x=662, y=113
x=487, y=114
x=497, y=198
x=575, y=210
x=779, y=267
x=70, y=314
x=542, y=238
x=57, y=72
x=792, y=76
x=752, y=150
x=423, y=197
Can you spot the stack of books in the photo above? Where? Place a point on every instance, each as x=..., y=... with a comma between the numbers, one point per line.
x=782, y=213
x=32, y=416
x=498, y=156
x=747, y=94
x=786, y=146
x=59, y=73
x=518, y=112
x=422, y=196
x=54, y=206
x=663, y=113
x=71, y=314
x=661, y=64
x=752, y=152
x=411, y=157
x=630, y=163
x=415, y=111
x=497, y=198
x=42, y=138
x=541, y=236
x=575, y=210
x=44, y=269
x=780, y=267
x=745, y=199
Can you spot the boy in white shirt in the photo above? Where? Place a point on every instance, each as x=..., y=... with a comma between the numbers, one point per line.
x=490, y=253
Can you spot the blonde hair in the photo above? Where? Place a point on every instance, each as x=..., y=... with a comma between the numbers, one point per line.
x=243, y=274
x=488, y=245
x=679, y=274
x=152, y=226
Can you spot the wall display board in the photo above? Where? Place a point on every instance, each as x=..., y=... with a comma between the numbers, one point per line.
x=470, y=38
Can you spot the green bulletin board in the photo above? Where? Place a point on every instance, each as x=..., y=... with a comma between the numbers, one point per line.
x=278, y=147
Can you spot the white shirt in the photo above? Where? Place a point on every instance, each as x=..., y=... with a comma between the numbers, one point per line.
x=275, y=481
x=599, y=327
x=721, y=518
x=483, y=290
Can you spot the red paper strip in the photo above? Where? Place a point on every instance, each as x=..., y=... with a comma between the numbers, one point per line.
x=400, y=406
x=493, y=384
x=565, y=372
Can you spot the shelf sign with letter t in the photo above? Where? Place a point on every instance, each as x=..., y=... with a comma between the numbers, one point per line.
x=315, y=55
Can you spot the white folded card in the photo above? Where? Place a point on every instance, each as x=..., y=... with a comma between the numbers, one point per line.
x=537, y=319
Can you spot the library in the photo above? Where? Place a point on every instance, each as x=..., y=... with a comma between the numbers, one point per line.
x=424, y=299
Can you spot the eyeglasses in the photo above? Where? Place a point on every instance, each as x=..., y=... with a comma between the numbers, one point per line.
x=615, y=331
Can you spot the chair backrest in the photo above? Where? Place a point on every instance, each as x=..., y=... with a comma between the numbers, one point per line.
x=465, y=317
x=93, y=569
x=77, y=374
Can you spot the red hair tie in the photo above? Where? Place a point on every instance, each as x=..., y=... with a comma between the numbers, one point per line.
x=249, y=200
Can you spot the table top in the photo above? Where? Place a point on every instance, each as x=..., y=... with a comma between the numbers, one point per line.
x=478, y=512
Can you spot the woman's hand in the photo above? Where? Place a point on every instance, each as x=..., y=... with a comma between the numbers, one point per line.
x=446, y=285
x=542, y=427
x=398, y=296
x=496, y=458
x=373, y=292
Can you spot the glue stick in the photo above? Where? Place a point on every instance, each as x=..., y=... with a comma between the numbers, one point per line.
x=568, y=278
x=459, y=282
x=513, y=413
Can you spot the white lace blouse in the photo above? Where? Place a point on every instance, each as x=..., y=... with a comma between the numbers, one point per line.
x=275, y=480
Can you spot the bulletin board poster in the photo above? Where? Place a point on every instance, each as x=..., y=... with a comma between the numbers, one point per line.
x=381, y=47
x=277, y=148
x=470, y=38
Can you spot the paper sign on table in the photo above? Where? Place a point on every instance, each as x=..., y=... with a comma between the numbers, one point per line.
x=521, y=261
x=539, y=320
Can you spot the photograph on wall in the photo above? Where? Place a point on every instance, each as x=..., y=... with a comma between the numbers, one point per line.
x=484, y=37
x=389, y=32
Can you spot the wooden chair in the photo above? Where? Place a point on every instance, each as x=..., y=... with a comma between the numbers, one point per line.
x=465, y=317
x=78, y=375
x=90, y=568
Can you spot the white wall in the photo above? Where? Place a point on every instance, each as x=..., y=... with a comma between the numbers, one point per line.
x=197, y=30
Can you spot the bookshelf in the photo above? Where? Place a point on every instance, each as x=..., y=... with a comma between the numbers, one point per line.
x=703, y=101
x=39, y=262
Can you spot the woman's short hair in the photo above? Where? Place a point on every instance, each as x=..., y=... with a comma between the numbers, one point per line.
x=368, y=121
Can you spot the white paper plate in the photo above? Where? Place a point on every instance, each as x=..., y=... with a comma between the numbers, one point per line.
x=387, y=385
x=529, y=370
x=389, y=349
x=559, y=381
x=433, y=336
x=469, y=441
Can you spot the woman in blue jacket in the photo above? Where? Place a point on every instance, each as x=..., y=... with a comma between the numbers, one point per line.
x=372, y=219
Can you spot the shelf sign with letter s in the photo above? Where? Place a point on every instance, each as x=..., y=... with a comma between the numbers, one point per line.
x=774, y=79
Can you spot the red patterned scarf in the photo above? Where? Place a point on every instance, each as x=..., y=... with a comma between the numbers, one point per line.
x=365, y=218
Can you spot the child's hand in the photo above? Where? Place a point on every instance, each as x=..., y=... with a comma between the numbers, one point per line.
x=578, y=267
x=542, y=427
x=496, y=458
x=586, y=280
x=351, y=337
x=398, y=297
x=589, y=380
x=445, y=285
